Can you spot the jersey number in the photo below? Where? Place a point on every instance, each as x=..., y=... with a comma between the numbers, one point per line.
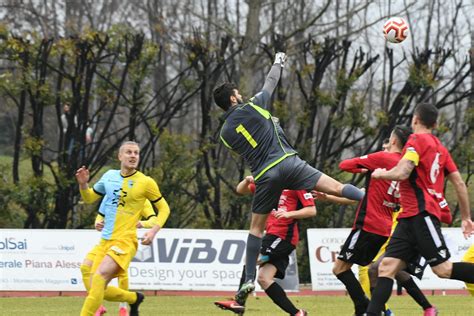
x=394, y=189
x=241, y=129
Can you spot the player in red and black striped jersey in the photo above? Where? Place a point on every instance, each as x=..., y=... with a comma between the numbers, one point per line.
x=420, y=171
x=373, y=222
x=280, y=240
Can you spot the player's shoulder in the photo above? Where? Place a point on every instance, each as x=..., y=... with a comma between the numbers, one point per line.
x=112, y=173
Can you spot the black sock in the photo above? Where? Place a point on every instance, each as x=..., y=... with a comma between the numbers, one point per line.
x=355, y=291
x=253, y=247
x=380, y=296
x=414, y=291
x=463, y=271
x=278, y=296
x=242, y=278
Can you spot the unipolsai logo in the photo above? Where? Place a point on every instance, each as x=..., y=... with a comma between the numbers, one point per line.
x=11, y=243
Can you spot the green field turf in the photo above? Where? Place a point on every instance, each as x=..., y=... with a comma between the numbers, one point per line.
x=191, y=305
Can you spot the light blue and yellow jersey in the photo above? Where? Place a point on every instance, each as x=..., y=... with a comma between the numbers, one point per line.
x=148, y=215
x=123, y=201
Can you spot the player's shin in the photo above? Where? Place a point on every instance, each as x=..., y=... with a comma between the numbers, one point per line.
x=115, y=294
x=380, y=296
x=95, y=297
x=86, y=276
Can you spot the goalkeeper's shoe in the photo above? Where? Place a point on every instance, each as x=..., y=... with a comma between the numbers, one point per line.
x=100, y=311
x=233, y=306
x=244, y=291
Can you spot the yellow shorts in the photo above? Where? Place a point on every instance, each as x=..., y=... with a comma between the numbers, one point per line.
x=122, y=251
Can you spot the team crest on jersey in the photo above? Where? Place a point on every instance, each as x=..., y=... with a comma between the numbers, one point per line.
x=308, y=196
x=130, y=183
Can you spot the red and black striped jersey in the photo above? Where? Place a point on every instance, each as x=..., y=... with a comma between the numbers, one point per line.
x=287, y=228
x=374, y=212
x=423, y=190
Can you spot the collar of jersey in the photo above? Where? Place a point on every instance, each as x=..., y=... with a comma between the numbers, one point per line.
x=128, y=175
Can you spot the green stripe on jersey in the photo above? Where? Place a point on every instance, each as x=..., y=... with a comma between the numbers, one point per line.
x=260, y=110
x=273, y=164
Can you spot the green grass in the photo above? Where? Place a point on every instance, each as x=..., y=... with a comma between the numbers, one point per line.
x=181, y=305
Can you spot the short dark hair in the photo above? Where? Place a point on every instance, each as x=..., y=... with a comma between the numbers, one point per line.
x=402, y=133
x=385, y=140
x=223, y=93
x=427, y=114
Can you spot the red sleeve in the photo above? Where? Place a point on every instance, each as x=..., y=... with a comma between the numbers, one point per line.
x=450, y=166
x=446, y=216
x=252, y=187
x=306, y=198
x=370, y=162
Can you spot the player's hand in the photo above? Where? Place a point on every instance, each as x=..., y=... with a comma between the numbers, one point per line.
x=467, y=228
x=139, y=225
x=82, y=175
x=99, y=226
x=320, y=196
x=149, y=236
x=377, y=173
x=282, y=214
x=249, y=179
x=280, y=58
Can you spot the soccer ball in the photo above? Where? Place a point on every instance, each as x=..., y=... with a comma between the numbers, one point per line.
x=395, y=30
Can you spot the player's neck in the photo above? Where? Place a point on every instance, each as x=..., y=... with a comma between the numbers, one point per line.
x=125, y=172
x=419, y=129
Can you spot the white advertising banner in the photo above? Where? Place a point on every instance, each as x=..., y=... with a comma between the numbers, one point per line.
x=324, y=246
x=178, y=259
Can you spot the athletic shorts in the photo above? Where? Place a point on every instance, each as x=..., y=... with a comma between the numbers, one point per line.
x=93, y=253
x=417, y=266
x=291, y=173
x=361, y=247
x=418, y=235
x=279, y=251
x=122, y=251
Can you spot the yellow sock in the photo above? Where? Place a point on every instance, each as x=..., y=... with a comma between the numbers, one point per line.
x=364, y=279
x=114, y=294
x=95, y=297
x=86, y=276
x=470, y=288
x=123, y=281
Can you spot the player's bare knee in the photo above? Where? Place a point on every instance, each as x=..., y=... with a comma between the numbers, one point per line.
x=443, y=270
x=263, y=281
x=388, y=268
x=373, y=270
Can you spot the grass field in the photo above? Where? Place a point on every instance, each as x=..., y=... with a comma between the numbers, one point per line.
x=191, y=305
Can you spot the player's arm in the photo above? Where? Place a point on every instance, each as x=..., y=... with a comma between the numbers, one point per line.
x=404, y=167
x=245, y=186
x=321, y=196
x=149, y=216
x=308, y=210
x=99, y=222
x=263, y=97
x=89, y=195
x=161, y=207
x=352, y=165
x=305, y=212
x=463, y=198
x=400, y=172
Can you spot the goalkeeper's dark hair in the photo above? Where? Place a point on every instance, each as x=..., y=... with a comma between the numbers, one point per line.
x=427, y=113
x=223, y=93
x=402, y=133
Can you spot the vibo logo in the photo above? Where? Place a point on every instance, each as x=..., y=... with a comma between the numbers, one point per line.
x=199, y=250
x=13, y=244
